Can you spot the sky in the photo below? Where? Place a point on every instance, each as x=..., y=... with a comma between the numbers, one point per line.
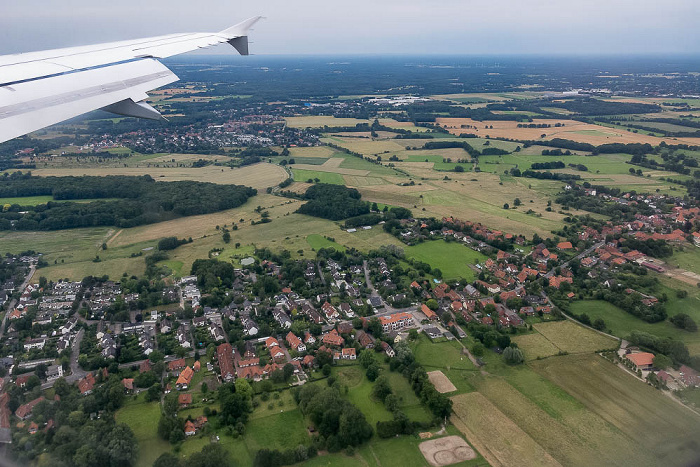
x=331, y=27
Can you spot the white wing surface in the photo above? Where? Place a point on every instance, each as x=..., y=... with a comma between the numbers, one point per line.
x=39, y=89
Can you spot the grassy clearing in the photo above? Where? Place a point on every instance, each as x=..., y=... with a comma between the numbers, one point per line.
x=573, y=338
x=662, y=429
x=317, y=242
x=453, y=259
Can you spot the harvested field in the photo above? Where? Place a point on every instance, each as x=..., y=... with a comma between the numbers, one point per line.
x=572, y=130
x=441, y=382
x=446, y=451
x=258, y=176
x=573, y=338
x=495, y=436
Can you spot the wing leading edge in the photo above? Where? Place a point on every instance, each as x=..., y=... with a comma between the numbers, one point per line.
x=39, y=89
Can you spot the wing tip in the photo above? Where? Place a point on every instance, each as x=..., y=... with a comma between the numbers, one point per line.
x=241, y=29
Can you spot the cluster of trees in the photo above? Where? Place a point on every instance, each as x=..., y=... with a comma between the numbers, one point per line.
x=213, y=273
x=75, y=439
x=675, y=350
x=543, y=175
x=141, y=201
x=275, y=458
x=170, y=243
x=548, y=165
x=334, y=202
x=656, y=248
x=679, y=163
x=339, y=422
x=683, y=321
x=591, y=106
x=453, y=144
x=632, y=304
x=374, y=218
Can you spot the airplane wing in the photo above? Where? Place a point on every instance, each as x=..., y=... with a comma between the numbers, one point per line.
x=39, y=89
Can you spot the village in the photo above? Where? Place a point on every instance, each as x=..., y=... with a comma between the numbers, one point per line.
x=309, y=315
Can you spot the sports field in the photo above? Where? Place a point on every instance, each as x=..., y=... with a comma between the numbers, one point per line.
x=453, y=259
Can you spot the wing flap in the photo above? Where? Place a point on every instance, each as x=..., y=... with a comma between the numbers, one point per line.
x=33, y=105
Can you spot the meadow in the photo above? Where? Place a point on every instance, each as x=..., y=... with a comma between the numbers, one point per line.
x=452, y=258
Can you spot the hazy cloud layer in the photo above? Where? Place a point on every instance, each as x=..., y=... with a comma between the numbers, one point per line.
x=369, y=26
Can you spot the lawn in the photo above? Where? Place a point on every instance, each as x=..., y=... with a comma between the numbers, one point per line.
x=285, y=430
x=142, y=418
x=453, y=259
x=573, y=338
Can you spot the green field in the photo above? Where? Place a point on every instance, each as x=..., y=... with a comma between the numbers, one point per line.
x=688, y=259
x=301, y=175
x=142, y=417
x=317, y=242
x=453, y=259
x=620, y=323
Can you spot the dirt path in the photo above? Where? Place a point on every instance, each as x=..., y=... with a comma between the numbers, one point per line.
x=109, y=242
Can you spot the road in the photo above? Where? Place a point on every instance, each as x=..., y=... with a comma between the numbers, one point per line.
x=77, y=373
x=579, y=256
x=32, y=270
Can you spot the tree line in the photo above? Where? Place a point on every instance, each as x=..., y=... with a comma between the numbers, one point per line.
x=140, y=201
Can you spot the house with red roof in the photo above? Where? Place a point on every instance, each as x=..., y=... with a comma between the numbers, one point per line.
x=184, y=400
x=86, y=384
x=430, y=314
x=641, y=360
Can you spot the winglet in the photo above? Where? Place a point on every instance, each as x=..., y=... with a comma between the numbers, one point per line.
x=241, y=29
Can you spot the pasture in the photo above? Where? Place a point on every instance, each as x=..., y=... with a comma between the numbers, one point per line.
x=453, y=259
